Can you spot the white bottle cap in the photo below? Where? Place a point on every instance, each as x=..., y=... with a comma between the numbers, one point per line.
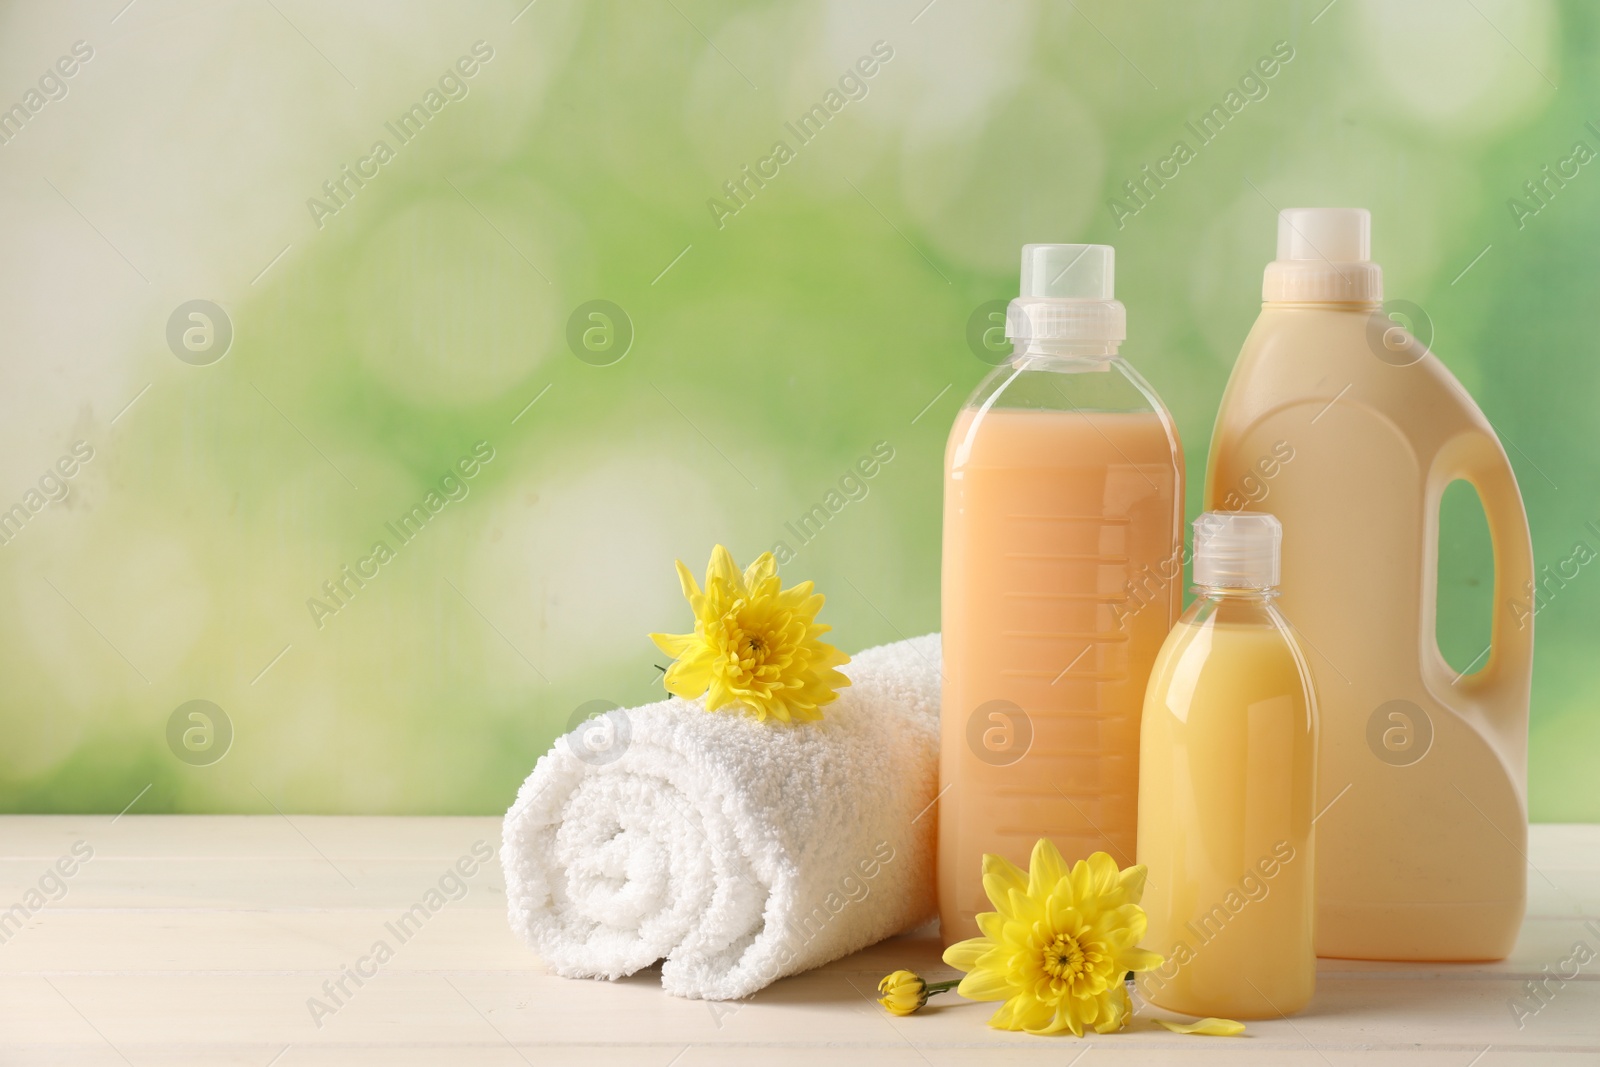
x=1324, y=256
x=1237, y=549
x=1067, y=295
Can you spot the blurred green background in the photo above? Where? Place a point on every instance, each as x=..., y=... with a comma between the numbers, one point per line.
x=762, y=346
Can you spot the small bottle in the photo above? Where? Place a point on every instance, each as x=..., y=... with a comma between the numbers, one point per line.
x=1227, y=780
x=1063, y=573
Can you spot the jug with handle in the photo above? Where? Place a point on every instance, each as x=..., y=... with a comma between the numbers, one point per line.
x=1349, y=430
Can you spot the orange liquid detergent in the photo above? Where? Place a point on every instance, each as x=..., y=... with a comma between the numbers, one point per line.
x=1062, y=576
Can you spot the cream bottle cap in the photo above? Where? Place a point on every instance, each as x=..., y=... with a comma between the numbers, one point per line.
x=1324, y=256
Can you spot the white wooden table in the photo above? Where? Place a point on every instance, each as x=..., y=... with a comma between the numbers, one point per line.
x=201, y=939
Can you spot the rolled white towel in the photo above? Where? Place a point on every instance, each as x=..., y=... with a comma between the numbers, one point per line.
x=735, y=851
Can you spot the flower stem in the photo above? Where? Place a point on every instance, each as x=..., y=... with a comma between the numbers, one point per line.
x=935, y=988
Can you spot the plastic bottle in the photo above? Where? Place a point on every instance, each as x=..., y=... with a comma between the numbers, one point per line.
x=1062, y=574
x=1227, y=783
x=1423, y=771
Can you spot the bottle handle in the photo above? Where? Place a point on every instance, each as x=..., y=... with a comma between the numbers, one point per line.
x=1477, y=458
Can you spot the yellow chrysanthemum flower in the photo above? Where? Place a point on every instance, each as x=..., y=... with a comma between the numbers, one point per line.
x=754, y=643
x=1057, y=948
x=903, y=992
x=906, y=993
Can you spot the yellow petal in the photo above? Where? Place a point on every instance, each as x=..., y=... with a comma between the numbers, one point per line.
x=1132, y=882
x=1024, y=908
x=687, y=678
x=963, y=955
x=985, y=985
x=723, y=567
x=718, y=695
x=1122, y=926
x=763, y=568
x=686, y=580
x=1082, y=881
x=1000, y=877
x=1005, y=1018
x=674, y=645
x=1104, y=878
x=1061, y=1017
x=1045, y=868
x=1037, y=1017
x=1138, y=959
x=1211, y=1027
x=992, y=925
x=1118, y=1008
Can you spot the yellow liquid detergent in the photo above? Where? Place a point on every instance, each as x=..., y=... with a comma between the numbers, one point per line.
x=1226, y=788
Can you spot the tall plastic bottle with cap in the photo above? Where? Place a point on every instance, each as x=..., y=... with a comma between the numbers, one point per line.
x=1227, y=783
x=1344, y=426
x=1062, y=575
